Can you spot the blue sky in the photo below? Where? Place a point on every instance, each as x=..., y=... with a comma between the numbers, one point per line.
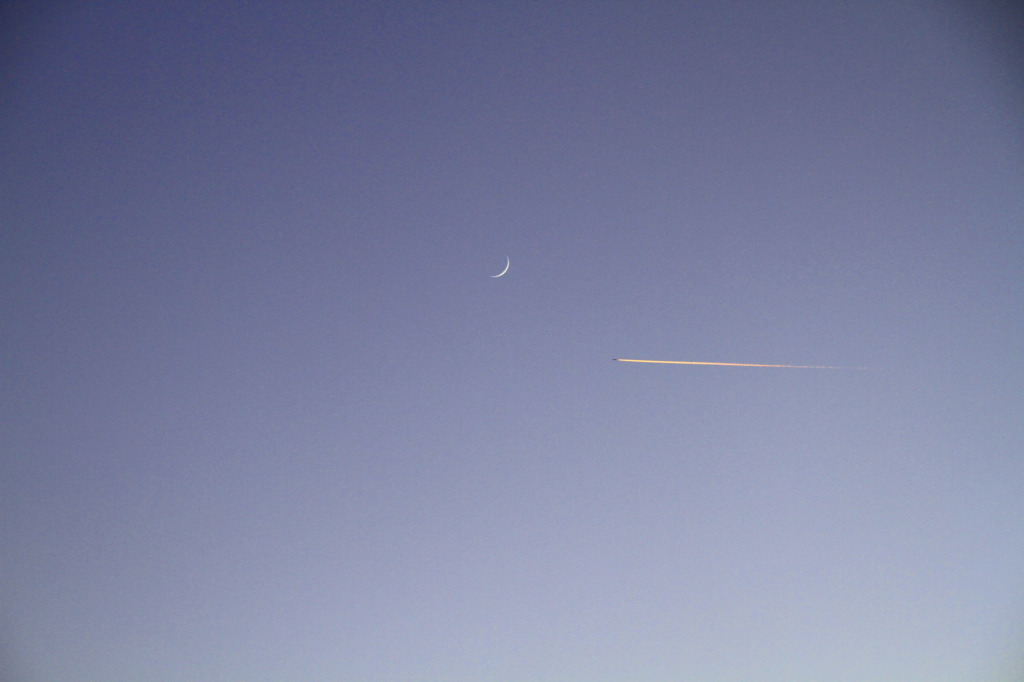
x=266, y=414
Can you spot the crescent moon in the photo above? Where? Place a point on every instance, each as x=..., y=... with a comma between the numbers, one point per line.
x=507, y=263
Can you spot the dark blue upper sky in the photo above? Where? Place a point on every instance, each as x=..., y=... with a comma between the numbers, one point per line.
x=266, y=415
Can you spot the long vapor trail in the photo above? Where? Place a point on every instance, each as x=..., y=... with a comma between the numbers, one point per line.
x=726, y=364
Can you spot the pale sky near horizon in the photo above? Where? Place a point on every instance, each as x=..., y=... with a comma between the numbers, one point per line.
x=266, y=414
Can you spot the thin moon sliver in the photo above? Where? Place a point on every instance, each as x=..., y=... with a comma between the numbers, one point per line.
x=507, y=263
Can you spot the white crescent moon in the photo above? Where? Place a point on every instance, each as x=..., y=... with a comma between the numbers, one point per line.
x=507, y=263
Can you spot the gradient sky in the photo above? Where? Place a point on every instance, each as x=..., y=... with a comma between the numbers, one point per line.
x=267, y=416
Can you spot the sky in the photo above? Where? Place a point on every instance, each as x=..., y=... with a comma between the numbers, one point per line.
x=266, y=414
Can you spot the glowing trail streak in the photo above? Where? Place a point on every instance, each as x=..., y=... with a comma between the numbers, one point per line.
x=726, y=364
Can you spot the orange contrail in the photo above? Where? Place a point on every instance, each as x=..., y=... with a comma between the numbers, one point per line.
x=727, y=364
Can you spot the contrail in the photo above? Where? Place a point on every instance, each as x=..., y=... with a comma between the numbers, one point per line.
x=727, y=364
